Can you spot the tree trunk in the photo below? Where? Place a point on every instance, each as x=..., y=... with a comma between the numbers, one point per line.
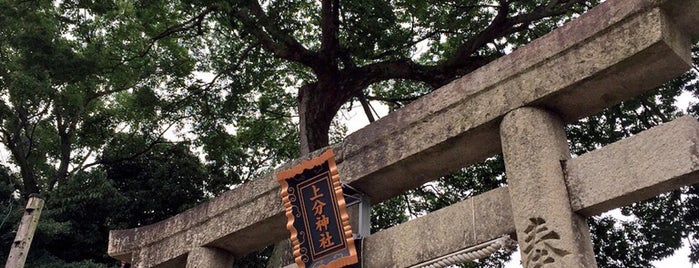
x=28, y=178
x=318, y=103
x=314, y=122
x=62, y=171
x=29, y=183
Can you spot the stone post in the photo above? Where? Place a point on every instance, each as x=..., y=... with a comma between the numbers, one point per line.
x=25, y=232
x=549, y=233
x=208, y=257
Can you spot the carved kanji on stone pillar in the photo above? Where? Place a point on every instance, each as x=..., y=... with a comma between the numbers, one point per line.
x=534, y=146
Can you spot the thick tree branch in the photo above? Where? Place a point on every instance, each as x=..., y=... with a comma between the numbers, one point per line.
x=494, y=30
x=654, y=110
x=463, y=61
x=21, y=136
x=20, y=152
x=393, y=100
x=367, y=109
x=502, y=26
x=273, y=38
x=80, y=165
x=554, y=8
x=330, y=26
x=146, y=149
x=435, y=76
x=320, y=100
x=195, y=22
x=410, y=44
x=66, y=128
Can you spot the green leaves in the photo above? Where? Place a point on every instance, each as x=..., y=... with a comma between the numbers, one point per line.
x=156, y=182
x=62, y=64
x=115, y=96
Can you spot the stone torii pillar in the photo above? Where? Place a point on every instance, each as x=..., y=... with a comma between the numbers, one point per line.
x=535, y=148
x=208, y=257
x=612, y=53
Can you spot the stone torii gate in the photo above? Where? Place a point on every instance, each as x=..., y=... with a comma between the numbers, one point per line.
x=516, y=105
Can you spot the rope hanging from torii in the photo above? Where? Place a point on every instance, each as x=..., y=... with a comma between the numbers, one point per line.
x=471, y=254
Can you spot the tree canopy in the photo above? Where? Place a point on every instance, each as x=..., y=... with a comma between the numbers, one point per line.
x=103, y=102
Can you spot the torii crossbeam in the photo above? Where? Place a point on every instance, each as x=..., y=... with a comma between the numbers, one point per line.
x=614, y=52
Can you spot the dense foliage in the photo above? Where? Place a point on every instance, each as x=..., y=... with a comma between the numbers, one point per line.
x=122, y=113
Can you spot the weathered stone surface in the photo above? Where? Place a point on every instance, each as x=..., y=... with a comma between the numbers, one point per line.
x=534, y=145
x=685, y=14
x=670, y=158
x=25, y=232
x=472, y=221
x=208, y=222
x=206, y=257
x=655, y=161
x=613, y=52
x=144, y=257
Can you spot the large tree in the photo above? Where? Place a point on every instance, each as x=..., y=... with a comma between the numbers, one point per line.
x=255, y=83
x=330, y=52
x=72, y=75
